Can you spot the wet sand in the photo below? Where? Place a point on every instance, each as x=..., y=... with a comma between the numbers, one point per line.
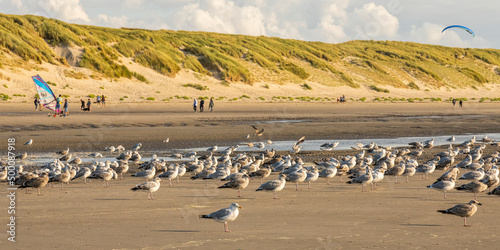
x=332, y=216
x=150, y=124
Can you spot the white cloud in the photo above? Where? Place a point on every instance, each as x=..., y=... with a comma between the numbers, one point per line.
x=114, y=22
x=66, y=10
x=221, y=16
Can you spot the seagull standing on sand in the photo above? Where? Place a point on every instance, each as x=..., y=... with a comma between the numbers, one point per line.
x=224, y=215
x=63, y=152
x=150, y=187
x=274, y=185
x=463, y=210
x=444, y=185
x=28, y=143
x=473, y=187
x=237, y=183
x=136, y=147
x=37, y=182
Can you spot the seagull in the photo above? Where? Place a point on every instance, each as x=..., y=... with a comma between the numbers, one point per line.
x=444, y=185
x=150, y=187
x=463, y=210
x=148, y=173
x=473, y=187
x=274, y=185
x=261, y=173
x=171, y=174
x=257, y=131
x=76, y=160
x=328, y=173
x=295, y=147
x=364, y=179
x=212, y=149
x=63, y=152
x=451, y=139
x=37, y=182
x=224, y=215
x=260, y=145
x=95, y=155
x=495, y=191
x=137, y=147
x=22, y=156
x=238, y=184
x=28, y=143
x=247, y=136
x=329, y=146
x=66, y=157
x=84, y=172
x=312, y=175
x=111, y=149
x=297, y=176
x=166, y=140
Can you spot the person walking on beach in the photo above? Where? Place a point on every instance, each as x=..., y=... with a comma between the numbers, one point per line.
x=460, y=103
x=98, y=100
x=202, y=104
x=58, y=106
x=89, y=104
x=83, y=104
x=211, y=104
x=454, y=101
x=103, y=101
x=66, y=113
x=195, y=103
x=37, y=102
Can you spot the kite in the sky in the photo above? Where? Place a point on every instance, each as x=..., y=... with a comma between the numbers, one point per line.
x=460, y=27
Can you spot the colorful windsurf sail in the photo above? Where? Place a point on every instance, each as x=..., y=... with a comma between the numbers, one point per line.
x=47, y=97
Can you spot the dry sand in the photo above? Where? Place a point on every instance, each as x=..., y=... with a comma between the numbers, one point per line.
x=325, y=217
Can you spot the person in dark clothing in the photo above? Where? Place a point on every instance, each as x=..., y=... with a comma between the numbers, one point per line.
x=453, y=101
x=83, y=104
x=202, y=103
x=460, y=103
x=37, y=102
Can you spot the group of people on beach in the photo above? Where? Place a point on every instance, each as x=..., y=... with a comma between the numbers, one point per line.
x=341, y=99
x=202, y=104
x=100, y=101
x=454, y=101
x=86, y=108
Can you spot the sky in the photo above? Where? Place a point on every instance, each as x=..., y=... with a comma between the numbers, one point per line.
x=331, y=21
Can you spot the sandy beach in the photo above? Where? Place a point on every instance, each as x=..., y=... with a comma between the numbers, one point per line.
x=150, y=124
x=335, y=216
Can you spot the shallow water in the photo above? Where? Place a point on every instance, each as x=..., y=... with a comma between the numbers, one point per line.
x=308, y=145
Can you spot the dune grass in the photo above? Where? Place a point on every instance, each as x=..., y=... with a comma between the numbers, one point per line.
x=229, y=58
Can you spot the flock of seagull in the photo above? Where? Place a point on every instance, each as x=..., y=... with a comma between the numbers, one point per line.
x=368, y=167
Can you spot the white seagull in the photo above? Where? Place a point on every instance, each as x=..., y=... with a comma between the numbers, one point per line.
x=224, y=215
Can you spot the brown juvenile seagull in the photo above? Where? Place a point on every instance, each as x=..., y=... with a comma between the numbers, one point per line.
x=463, y=210
x=257, y=131
x=238, y=184
x=37, y=182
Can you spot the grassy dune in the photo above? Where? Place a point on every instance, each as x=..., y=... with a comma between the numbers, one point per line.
x=247, y=59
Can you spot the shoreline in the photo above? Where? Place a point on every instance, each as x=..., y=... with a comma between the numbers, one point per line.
x=150, y=124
